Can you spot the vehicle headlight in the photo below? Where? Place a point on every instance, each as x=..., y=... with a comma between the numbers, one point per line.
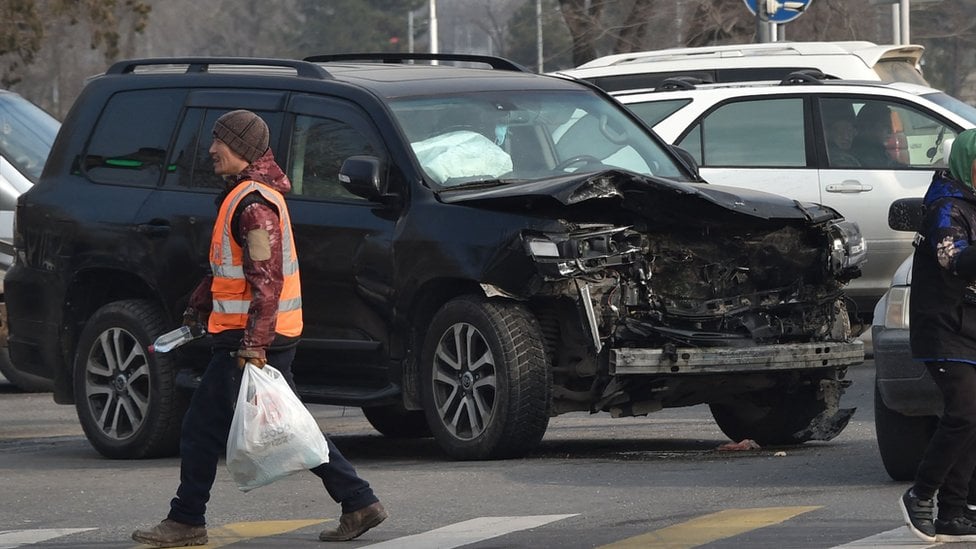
x=848, y=248
x=542, y=247
x=896, y=307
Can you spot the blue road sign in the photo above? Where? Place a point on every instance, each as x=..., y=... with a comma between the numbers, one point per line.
x=782, y=14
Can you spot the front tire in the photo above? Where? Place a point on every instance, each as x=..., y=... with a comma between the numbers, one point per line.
x=772, y=417
x=901, y=439
x=486, y=384
x=126, y=397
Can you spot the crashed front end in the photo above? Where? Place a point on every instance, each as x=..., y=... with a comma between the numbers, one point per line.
x=686, y=294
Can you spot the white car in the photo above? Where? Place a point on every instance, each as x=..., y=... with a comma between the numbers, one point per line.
x=772, y=136
x=857, y=60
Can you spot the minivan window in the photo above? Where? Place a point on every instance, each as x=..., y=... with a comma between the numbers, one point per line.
x=760, y=133
x=26, y=134
x=653, y=112
x=129, y=142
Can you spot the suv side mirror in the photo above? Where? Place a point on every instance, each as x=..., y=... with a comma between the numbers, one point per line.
x=905, y=214
x=362, y=176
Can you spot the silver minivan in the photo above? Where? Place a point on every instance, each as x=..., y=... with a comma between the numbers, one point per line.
x=26, y=135
x=856, y=60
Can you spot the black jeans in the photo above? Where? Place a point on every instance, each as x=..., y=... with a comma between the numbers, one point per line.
x=204, y=438
x=950, y=458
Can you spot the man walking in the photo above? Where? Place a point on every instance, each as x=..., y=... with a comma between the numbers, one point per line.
x=253, y=309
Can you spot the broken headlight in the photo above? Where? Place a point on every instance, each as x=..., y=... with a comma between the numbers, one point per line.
x=587, y=250
x=847, y=247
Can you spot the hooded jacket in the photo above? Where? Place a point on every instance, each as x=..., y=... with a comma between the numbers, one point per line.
x=943, y=296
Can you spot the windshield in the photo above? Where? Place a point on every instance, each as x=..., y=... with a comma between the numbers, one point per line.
x=509, y=137
x=26, y=134
x=949, y=102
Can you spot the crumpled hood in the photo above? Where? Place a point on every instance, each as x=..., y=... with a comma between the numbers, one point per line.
x=642, y=193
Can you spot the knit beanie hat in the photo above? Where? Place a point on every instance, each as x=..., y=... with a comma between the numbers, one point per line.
x=243, y=132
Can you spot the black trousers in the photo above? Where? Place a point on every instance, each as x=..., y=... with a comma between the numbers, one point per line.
x=950, y=458
x=204, y=438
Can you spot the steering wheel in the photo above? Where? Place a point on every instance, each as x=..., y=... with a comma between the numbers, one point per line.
x=577, y=159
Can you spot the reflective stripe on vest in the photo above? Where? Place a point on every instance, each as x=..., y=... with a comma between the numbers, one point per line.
x=231, y=293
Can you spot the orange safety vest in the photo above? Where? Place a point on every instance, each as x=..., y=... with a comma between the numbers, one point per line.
x=231, y=292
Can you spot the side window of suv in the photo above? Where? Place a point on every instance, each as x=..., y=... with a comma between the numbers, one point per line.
x=318, y=148
x=190, y=164
x=129, y=142
x=876, y=134
x=750, y=134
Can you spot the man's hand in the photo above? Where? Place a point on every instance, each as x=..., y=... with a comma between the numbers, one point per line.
x=254, y=356
x=191, y=317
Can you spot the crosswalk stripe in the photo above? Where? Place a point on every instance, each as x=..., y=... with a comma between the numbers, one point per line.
x=709, y=528
x=469, y=531
x=240, y=531
x=16, y=538
x=891, y=539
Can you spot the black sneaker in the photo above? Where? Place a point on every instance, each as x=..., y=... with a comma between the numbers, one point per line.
x=955, y=529
x=918, y=515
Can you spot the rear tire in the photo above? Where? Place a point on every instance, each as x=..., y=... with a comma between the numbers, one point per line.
x=901, y=439
x=126, y=397
x=486, y=383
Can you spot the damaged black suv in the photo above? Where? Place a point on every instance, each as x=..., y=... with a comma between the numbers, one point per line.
x=481, y=249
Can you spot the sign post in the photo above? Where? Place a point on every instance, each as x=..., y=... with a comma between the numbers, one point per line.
x=774, y=12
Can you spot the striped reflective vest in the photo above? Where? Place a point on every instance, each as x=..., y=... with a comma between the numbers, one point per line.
x=231, y=292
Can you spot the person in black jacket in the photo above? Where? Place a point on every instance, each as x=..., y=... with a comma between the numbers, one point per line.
x=943, y=335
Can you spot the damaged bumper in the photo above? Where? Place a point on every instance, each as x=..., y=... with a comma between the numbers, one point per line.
x=725, y=360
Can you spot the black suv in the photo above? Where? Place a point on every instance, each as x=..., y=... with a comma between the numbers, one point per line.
x=481, y=248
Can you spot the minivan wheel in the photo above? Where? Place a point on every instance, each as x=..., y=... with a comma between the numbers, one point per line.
x=773, y=417
x=126, y=397
x=486, y=384
x=901, y=439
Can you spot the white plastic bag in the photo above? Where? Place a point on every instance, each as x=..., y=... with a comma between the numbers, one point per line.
x=272, y=434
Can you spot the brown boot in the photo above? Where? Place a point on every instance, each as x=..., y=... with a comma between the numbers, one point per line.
x=354, y=524
x=170, y=533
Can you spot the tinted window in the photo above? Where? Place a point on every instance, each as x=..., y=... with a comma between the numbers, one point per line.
x=128, y=145
x=655, y=111
x=765, y=132
x=886, y=135
x=190, y=164
x=319, y=146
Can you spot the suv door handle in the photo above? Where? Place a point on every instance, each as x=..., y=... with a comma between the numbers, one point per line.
x=849, y=186
x=155, y=229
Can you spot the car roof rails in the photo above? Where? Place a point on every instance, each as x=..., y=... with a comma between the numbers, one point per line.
x=680, y=83
x=805, y=76
x=496, y=63
x=203, y=64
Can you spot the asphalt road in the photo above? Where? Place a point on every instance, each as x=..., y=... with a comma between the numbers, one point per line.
x=595, y=481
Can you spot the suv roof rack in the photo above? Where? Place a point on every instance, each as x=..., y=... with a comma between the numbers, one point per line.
x=680, y=83
x=496, y=63
x=805, y=76
x=202, y=64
